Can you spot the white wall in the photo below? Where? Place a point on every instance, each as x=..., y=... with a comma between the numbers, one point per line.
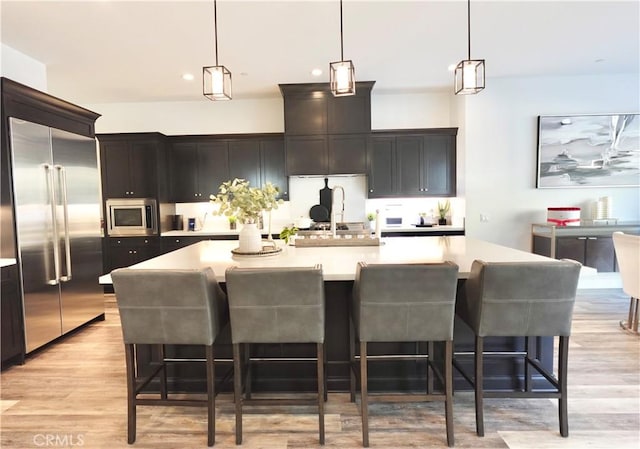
x=410, y=110
x=501, y=148
x=22, y=68
x=193, y=117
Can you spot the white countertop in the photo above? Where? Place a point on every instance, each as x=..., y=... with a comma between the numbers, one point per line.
x=7, y=262
x=339, y=263
x=204, y=233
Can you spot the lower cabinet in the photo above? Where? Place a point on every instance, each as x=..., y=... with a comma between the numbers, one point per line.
x=595, y=252
x=12, y=327
x=126, y=251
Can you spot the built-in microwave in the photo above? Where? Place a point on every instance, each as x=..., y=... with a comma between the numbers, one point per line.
x=131, y=216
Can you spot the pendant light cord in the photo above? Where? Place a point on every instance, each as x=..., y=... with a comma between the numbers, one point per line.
x=215, y=28
x=469, y=28
x=341, y=40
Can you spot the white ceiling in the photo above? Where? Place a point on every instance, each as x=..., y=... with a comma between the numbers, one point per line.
x=135, y=51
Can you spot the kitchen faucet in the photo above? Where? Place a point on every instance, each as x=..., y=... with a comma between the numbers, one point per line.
x=333, y=209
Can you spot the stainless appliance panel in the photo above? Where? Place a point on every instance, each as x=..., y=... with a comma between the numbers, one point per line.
x=34, y=212
x=58, y=215
x=75, y=161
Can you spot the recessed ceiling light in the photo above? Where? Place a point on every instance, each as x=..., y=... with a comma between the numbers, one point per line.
x=187, y=77
x=316, y=72
x=452, y=67
x=599, y=60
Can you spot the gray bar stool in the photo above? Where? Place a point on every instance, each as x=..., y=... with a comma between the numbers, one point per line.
x=177, y=307
x=275, y=305
x=405, y=303
x=520, y=299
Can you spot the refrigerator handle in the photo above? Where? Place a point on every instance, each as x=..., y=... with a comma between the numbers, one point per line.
x=56, y=250
x=65, y=208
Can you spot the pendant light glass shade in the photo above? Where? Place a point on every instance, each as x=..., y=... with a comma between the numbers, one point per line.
x=342, y=78
x=342, y=74
x=469, y=74
x=216, y=80
x=469, y=77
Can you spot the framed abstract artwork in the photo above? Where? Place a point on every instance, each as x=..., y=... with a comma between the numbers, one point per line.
x=588, y=150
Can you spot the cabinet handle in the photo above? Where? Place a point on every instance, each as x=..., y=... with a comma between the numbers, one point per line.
x=177, y=240
x=592, y=238
x=131, y=193
x=146, y=241
x=370, y=190
x=582, y=238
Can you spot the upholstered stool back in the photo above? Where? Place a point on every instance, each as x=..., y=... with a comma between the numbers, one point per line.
x=520, y=298
x=276, y=305
x=169, y=306
x=404, y=302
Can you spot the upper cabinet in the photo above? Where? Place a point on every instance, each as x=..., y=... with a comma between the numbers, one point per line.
x=130, y=164
x=412, y=163
x=324, y=134
x=199, y=164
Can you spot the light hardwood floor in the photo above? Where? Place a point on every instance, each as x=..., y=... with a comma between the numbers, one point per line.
x=73, y=393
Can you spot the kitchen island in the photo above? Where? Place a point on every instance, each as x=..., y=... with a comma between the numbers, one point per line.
x=339, y=267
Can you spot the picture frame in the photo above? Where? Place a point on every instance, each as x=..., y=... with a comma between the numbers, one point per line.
x=595, y=150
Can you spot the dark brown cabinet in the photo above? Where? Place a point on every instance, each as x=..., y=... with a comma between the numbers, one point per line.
x=199, y=164
x=12, y=343
x=414, y=163
x=198, y=167
x=326, y=135
x=244, y=160
x=327, y=155
x=129, y=164
x=126, y=251
x=596, y=252
x=272, y=165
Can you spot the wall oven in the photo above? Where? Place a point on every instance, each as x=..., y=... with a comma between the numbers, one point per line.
x=131, y=216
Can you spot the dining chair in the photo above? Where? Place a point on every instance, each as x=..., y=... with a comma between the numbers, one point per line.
x=627, y=247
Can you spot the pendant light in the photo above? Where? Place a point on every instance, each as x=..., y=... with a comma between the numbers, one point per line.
x=342, y=74
x=216, y=80
x=469, y=74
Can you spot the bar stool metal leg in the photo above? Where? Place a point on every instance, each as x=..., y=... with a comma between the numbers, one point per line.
x=163, y=376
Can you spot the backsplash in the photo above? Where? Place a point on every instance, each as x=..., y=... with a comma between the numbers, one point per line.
x=304, y=192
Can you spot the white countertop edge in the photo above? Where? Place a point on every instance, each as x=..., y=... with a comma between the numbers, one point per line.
x=7, y=262
x=339, y=262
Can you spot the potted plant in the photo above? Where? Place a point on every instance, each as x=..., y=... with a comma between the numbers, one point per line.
x=238, y=199
x=443, y=210
x=287, y=234
x=232, y=222
x=371, y=217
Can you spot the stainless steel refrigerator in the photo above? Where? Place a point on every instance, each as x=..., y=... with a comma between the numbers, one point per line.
x=57, y=205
